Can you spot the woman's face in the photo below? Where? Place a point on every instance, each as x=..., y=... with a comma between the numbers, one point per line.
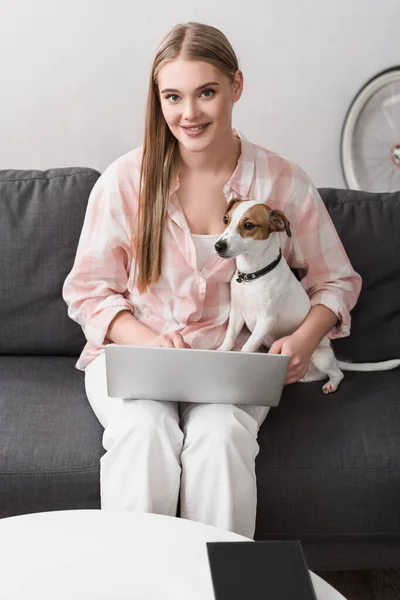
x=196, y=101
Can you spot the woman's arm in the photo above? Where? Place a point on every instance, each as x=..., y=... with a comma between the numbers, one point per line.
x=317, y=249
x=318, y=323
x=126, y=329
x=95, y=289
x=330, y=280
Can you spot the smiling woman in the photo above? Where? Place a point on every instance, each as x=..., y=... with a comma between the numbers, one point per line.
x=146, y=274
x=194, y=84
x=182, y=110
x=204, y=111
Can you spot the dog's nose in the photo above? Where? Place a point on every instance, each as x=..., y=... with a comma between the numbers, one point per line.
x=220, y=246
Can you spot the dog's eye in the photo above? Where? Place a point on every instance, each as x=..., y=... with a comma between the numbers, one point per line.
x=249, y=225
x=226, y=219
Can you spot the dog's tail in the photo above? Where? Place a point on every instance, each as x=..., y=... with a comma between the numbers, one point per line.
x=386, y=365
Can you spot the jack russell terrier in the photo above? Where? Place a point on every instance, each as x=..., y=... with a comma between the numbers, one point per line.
x=266, y=295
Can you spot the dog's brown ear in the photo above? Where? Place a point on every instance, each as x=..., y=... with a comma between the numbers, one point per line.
x=229, y=208
x=231, y=203
x=279, y=222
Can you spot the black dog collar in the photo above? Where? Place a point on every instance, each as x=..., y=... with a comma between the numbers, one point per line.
x=250, y=276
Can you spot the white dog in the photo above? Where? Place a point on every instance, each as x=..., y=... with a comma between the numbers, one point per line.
x=265, y=294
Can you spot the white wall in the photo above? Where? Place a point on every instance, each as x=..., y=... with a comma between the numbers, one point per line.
x=74, y=74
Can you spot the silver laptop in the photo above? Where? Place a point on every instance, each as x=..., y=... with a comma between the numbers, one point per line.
x=189, y=375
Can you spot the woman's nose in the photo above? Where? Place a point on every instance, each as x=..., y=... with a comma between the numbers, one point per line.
x=191, y=110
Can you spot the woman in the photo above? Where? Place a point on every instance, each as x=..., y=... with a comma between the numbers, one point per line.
x=146, y=273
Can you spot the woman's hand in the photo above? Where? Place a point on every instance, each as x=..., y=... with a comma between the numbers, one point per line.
x=169, y=340
x=299, y=352
x=302, y=343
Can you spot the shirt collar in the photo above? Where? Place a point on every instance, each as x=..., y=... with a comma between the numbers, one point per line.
x=242, y=177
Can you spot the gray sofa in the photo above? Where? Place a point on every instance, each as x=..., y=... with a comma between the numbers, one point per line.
x=328, y=468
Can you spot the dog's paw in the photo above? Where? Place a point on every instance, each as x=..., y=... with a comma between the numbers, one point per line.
x=247, y=348
x=328, y=388
x=225, y=347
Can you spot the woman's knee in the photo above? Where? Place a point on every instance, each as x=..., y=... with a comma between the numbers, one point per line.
x=222, y=425
x=148, y=421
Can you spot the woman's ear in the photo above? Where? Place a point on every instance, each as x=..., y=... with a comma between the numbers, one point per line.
x=237, y=85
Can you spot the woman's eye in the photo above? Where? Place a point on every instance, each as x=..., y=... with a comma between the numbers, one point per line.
x=209, y=93
x=249, y=225
x=226, y=219
x=172, y=97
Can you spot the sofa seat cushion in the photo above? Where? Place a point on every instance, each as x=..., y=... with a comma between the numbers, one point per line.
x=50, y=439
x=329, y=466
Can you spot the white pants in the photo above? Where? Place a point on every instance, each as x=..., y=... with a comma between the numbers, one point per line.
x=154, y=450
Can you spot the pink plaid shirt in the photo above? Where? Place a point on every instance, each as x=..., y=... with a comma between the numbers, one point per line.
x=196, y=303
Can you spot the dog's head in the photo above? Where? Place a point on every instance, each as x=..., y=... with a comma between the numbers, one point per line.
x=248, y=223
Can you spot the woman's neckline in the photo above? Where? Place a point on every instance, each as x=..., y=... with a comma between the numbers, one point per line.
x=206, y=235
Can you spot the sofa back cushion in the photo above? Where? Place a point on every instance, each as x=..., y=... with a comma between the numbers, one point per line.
x=41, y=216
x=369, y=227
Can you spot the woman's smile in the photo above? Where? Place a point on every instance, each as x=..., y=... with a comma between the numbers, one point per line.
x=195, y=130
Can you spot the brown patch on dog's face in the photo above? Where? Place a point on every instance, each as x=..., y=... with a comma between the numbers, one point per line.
x=229, y=210
x=259, y=221
x=255, y=222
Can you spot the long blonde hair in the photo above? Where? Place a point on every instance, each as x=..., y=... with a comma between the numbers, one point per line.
x=161, y=159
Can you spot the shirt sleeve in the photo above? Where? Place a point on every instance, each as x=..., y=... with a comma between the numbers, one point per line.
x=95, y=287
x=318, y=252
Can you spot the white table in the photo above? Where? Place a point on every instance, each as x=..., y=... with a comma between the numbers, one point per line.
x=95, y=554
